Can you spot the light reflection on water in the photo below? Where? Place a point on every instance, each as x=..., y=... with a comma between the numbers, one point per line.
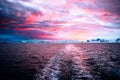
x=59, y=62
x=72, y=57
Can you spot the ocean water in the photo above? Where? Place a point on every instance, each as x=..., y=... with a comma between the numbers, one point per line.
x=59, y=61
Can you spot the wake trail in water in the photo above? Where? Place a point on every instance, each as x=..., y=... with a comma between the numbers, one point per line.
x=66, y=64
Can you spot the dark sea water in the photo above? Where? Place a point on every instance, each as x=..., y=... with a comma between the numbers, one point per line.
x=59, y=61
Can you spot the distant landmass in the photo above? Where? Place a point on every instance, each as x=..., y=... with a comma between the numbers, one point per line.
x=97, y=40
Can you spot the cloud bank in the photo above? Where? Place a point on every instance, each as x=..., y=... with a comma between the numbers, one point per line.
x=63, y=20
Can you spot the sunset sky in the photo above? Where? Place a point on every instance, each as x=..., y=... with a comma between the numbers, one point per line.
x=59, y=19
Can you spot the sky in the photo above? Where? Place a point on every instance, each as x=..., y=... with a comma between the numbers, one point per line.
x=59, y=19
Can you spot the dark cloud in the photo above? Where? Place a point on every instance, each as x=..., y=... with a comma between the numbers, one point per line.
x=112, y=6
